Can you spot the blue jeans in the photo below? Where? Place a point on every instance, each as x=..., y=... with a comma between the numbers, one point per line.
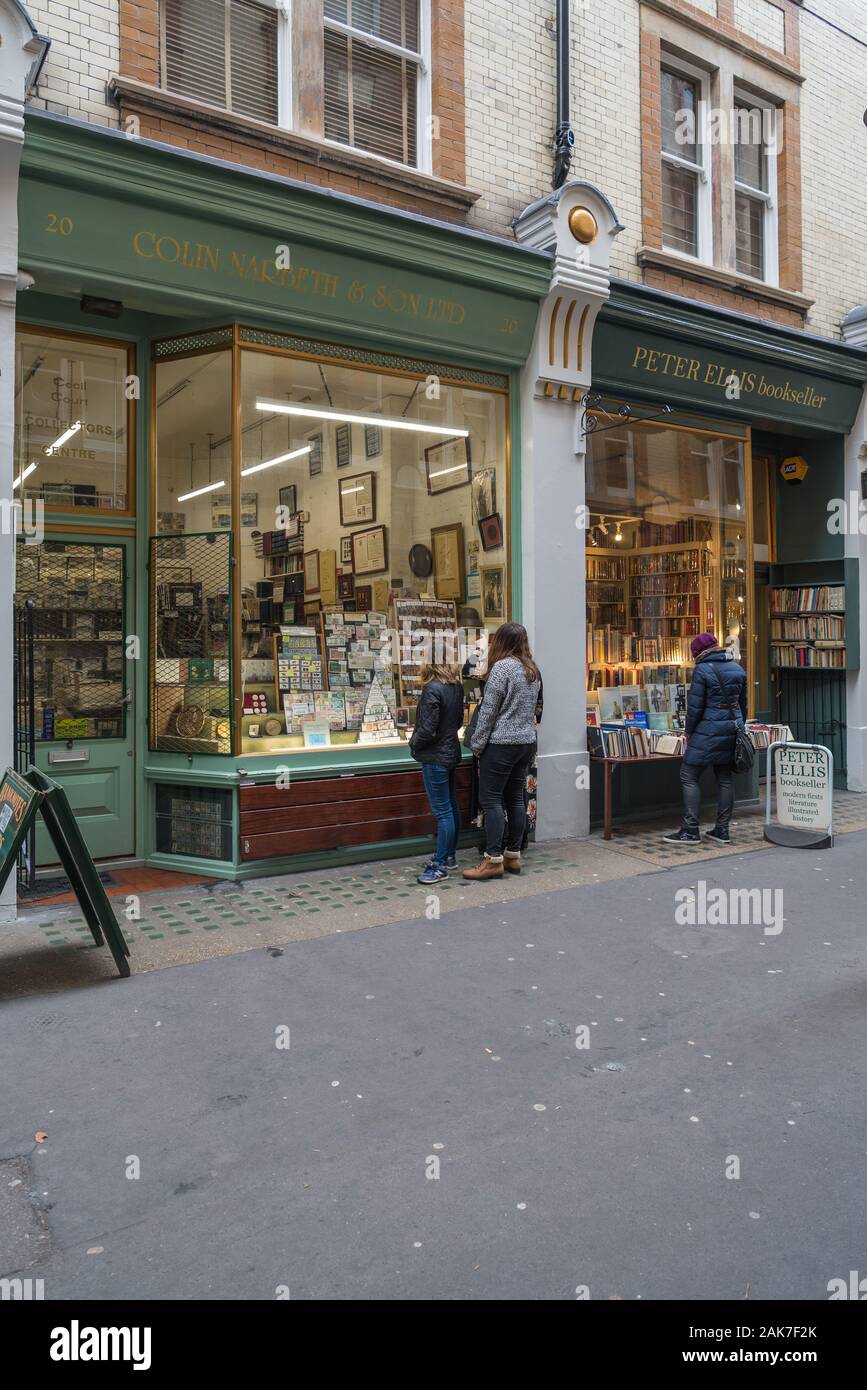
x=439, y=783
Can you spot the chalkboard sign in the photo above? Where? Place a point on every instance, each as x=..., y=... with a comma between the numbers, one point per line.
x=19, y=803
x=21, y=797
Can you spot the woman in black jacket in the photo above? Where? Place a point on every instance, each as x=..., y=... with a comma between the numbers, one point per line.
x=716, y=707
x=434, y=743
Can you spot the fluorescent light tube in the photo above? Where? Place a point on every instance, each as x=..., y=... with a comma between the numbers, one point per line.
x=212, y=487
x=26, y=474
x=282, y=458
x=67, y=434
x=281, y=408
x=458, y=468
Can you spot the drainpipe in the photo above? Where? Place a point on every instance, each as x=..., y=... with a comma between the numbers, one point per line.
x=564, y=135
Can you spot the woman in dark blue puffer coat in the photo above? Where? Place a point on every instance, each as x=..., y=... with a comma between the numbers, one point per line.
x=712, y=718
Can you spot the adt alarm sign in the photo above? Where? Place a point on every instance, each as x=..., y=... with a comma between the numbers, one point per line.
x=802, y=778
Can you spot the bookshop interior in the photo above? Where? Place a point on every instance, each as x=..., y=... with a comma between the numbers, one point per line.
x=368, y=502
x=681, y=527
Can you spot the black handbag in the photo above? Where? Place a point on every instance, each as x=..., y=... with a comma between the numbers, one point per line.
x=744, y=754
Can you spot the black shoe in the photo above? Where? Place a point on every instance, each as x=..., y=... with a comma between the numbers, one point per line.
x=682, y=837
x=719, y=835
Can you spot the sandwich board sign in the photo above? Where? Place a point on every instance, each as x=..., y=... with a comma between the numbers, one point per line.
x=802, y=778
x=25, y=795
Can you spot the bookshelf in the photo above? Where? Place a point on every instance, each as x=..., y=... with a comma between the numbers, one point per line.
x=808, y=627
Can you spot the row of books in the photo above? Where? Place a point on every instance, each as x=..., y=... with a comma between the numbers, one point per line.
x=665, y=606
x=611, y=677
x=816, y=598
x=607, y=645
x=829, y=658
x=631, y=740
x=598, y=568
x=604, y=593
x=673, y=562
x=827, y=628
x=763, y=735
x=664, y=584
x=674, y=533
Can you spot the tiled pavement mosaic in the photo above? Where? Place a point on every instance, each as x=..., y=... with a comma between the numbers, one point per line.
x=219, y=918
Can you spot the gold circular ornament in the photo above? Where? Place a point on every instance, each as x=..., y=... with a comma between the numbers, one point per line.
x=273, y=727
x=583, y=225
x=223, y=729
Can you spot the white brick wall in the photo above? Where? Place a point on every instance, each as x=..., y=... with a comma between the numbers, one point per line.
x=763, y=22
x=510, y=77
x=84, y=54
x=834, y=162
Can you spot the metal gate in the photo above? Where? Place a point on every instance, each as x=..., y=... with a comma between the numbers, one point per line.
x=813, y=704
x=25, y=730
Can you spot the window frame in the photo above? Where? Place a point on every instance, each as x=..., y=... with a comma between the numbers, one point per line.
x=703, y=170
x=422, y=61
x=767, y=197
x=84, y=514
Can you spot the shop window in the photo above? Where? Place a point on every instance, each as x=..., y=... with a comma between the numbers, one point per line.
x=369, y=518
x=73, y=422
x=664, y=563
x=77, y=593
x=686, y=186
x=194, y=821
x=224, y=52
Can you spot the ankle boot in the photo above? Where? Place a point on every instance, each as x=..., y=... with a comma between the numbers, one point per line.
x=488, y=868
x=512, y=861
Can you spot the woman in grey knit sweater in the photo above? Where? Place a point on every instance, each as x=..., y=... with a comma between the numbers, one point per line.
x=504, y=740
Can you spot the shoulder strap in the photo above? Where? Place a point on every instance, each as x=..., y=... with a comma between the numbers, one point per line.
x=730, y=704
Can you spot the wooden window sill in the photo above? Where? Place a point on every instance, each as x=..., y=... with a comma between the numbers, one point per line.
x=133, y=95
x=659, y=259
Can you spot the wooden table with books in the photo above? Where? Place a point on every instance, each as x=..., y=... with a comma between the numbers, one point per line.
x=609, y=765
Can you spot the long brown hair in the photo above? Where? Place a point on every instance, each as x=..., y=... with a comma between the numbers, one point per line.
x=510, y=639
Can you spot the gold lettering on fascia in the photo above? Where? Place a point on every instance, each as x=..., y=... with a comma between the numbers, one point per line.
x=203, y=258
x=722, y=377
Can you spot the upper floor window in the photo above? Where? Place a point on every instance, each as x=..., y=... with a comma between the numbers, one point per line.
x=754, y=128
x=685, y=175
x=224, y=52
x=373, y=67
x=370, y=78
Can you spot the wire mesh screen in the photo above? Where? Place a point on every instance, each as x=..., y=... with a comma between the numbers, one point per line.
x=191, y=643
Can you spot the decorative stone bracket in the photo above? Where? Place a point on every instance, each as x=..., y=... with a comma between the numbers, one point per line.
x=577, y=224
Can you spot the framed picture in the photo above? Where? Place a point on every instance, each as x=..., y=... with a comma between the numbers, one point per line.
x=474, y=585
x=447, y=546
x=493, y=593
x=369, y=551
x=249, y=508
x=372, y=441
x=616, y=701
x=311, y=571
x=447, y=465
x=289, y=497
x=363, y=597
x=491, y=531
x=357, y=499
x=343, y=445
x=484, y=487
x=221, y=511
x=346, y=550
x=345, y=586
x=314, y=458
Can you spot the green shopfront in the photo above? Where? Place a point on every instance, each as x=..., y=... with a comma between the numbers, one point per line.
x=264, y=428
x=716, y=447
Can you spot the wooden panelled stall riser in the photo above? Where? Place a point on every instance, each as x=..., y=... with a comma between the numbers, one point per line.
x=330, y=812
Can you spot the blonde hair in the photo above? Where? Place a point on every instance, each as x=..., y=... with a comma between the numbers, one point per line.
x=446, y=671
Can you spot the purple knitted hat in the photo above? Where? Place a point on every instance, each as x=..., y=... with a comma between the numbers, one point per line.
x=702, y=643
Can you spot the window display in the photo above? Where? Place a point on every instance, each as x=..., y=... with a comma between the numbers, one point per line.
x=73, y=421
x=666, y=548
x=77, y=591
x=354, y=492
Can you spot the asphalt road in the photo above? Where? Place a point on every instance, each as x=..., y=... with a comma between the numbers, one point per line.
x=451, y=1045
